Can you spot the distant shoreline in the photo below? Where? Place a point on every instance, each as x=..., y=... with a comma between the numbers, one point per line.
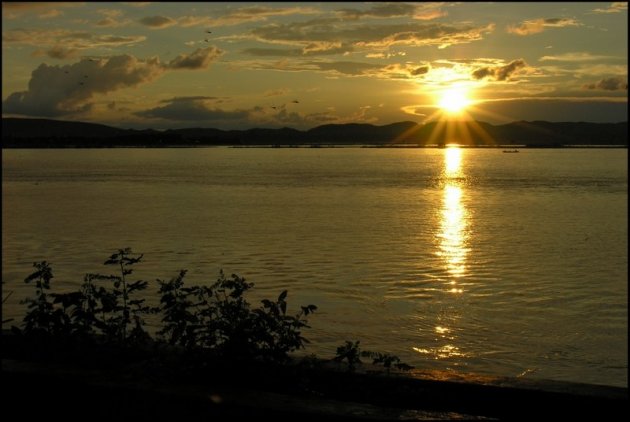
x=43, y=133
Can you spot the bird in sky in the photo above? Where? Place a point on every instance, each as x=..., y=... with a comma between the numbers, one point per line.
x=295, y=101
x=209, y=32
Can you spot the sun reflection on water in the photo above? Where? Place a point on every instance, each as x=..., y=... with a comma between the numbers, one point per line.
x=444, y=352
x=452, y=161
x=452, y=250
x=452, y=235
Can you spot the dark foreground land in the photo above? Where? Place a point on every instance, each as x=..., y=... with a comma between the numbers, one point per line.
x=115, y=385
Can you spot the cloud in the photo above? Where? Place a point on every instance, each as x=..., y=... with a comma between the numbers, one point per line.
x=504, y=72
x=192, y=109
x=112, y=18
x=617, y=83
x=243, y=15
x=600, y=69
x=429, y=14
x=321, y=49
x=420, y=70
x=255, y=13
x=108, y=22
x=190, y=98
x=322, y=117
x=66, y=90
x=337, y=68
x=387, y=10
x=536, y=26
x=158, y=22
x=276, y=92
x=499, y=73
x=368, y=36
x=202, y=111
x=11, y=6
x=59, y=52
x=384, y=55
x=57, y=91
x=346, y=68
x=417, y=110
x=615, y=7
x=398, y=71
x=573, y=57
x=436, y=73
x=441, y=35
x=425, y=11
x=483, y=72
x=114, y=13
x=199, y=59
x=284, y=117
x=79, y=40
x=49, y=14
x=45, y=10
x=401, y=71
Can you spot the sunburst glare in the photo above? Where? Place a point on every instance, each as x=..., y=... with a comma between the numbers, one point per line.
x=454, y=100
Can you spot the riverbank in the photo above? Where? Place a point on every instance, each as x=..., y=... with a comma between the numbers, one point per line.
x=116, y=384
x=68, y=392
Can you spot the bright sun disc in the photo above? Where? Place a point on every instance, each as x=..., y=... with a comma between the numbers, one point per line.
x=453, y=100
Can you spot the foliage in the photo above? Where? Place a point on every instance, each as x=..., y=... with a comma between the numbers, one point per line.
x=213, y=320
x=119, y=321
x=219, y=320
x=181, y=324
x=4, y=299
x=79, y=315
x=350, y=352
x=386, y=360
x=42, y=319
x=109, y=310
x=207, y=321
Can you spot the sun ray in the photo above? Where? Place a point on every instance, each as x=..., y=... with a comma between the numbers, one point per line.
x=481, y=132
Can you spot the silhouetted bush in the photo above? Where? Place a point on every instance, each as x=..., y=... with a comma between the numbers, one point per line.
x=211, y=321
x=351, y=353
x=42, y=317
x=218, y=320
x=207, y=322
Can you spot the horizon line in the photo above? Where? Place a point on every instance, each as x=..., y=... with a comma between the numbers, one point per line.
x=454, y=121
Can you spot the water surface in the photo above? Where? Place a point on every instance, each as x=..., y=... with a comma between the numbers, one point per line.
x=456, y=259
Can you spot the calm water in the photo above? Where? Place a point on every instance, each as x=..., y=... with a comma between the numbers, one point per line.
x=457, y=259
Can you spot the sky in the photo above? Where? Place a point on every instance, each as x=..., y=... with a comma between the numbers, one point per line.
x=241, y=65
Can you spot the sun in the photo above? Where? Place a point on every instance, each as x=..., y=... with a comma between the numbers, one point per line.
x=453, y=100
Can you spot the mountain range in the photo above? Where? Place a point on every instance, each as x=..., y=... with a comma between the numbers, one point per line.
x=45, y=133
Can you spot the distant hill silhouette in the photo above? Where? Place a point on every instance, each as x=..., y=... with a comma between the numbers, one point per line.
x=45, y=133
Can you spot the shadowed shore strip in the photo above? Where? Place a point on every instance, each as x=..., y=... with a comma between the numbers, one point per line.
x=292, y=392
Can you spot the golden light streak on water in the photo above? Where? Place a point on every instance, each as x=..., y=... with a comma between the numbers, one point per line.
x=452, y=161
x=444, y=352
x=452, y=234
x=442, y=330
x=452, y=249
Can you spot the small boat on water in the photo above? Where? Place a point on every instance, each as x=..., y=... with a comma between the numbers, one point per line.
x=510, y=150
